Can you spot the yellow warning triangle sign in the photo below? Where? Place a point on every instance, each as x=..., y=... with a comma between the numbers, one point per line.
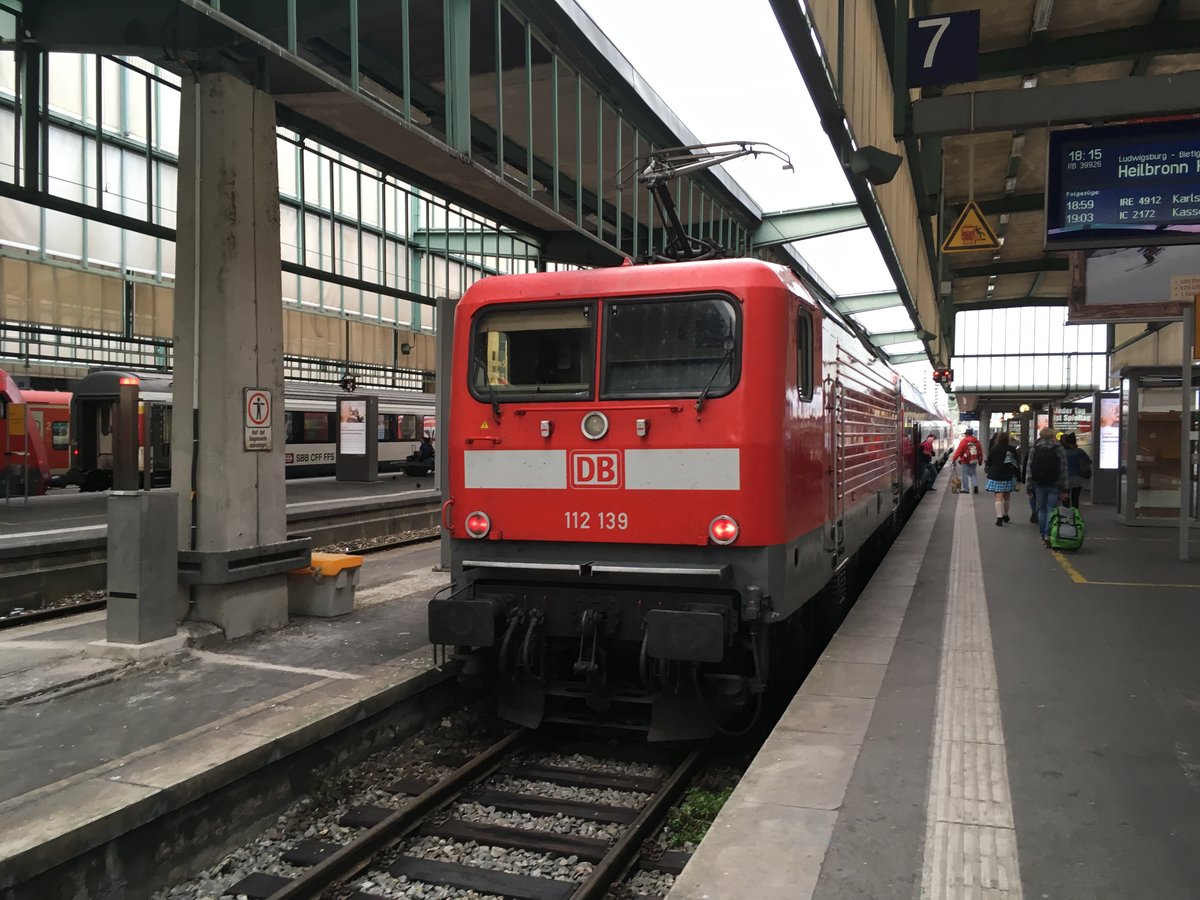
x=971, y=232
x=483, y=424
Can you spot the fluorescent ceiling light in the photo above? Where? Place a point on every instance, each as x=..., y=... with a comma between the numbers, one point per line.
x=1029, y=82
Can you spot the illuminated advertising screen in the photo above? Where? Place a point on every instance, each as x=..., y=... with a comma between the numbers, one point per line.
x=1110, y=432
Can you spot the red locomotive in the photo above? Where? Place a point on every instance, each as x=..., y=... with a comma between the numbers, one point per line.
x=658, y=478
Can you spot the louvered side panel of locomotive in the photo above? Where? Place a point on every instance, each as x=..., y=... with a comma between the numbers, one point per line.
x=869, y=438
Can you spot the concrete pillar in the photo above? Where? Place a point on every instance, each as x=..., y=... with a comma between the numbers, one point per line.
x=228, y=337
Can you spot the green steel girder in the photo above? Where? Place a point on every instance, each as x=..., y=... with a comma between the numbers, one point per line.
x=888, y=338
x=458, y=74
x=1013, y=203
x=1010, y=303
x=1088, y=49
x=798, y=224
x=861, y=303
x=900, y=359
x=1016, y=267
x=473, y=242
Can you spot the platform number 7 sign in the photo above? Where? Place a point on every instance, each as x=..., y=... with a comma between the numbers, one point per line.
x=943, y=49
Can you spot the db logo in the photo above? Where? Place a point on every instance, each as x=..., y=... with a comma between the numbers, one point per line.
x=595, y=470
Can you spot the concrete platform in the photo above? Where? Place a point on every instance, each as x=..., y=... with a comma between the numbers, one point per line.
x=67, y=514
x=95, y=747
x=992, y=720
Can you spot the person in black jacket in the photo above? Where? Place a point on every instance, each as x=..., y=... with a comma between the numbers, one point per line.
x=1002, y=471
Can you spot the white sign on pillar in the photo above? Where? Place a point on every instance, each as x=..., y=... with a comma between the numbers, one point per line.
x=256, y=410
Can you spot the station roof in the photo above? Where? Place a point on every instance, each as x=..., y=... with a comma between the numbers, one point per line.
x=1042, y=65
x=1122, y=47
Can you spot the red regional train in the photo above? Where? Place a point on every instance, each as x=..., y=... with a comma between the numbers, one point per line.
x=659, y=479
x=27, y=462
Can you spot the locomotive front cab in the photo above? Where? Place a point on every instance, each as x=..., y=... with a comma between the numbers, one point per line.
x=605, y=545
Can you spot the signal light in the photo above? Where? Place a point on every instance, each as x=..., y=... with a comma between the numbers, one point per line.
x=723, y=530
x=128, y=380
x=478, y=524
x=943, y=376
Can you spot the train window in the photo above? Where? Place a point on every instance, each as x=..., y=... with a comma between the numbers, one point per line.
x=533, y=353
x=317, y=427
x=657, y=348
x=409, y=428
x=59, y=439
x=804, y=354
x=293, y=434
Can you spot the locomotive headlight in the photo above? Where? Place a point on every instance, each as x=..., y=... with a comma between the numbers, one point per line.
x=594, y=426
x=478, y=524
x=723, y=530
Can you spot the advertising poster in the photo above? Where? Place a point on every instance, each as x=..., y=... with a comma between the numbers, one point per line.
x=1110, y=432
x=352, y=424
x=1139, y=284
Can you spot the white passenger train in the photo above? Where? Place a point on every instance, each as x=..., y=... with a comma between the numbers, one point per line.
x=309, y=428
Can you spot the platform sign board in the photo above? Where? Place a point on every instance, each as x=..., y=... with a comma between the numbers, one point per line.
x=971, y=232
x=1130, y=284
x=352, y=426
x=1124, y=185
x=256, y=410
x=943, y=49
x=968, y=417
x=357, y=447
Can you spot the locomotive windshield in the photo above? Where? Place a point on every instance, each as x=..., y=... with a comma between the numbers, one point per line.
x=543, y=352
x=657, y=348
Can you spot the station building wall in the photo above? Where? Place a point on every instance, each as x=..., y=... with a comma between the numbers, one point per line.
x=76, y=292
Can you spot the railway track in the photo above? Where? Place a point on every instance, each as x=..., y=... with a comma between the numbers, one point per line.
x=30, y=616
x=32, y=572
x=385, y=837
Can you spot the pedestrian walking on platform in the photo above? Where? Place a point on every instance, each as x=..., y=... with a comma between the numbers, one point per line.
x=1002, y=472
x=1079, y=466
x=929, y=472
x=1046, y=468
x=970, y=454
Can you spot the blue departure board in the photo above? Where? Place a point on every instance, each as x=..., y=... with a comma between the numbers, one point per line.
x=1124, y=185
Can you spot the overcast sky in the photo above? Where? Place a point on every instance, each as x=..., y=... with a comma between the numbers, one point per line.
x=726, y=71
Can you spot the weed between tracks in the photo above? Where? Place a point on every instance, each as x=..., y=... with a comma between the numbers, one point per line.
x=690, y=820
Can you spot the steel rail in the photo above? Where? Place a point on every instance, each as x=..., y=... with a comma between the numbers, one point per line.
x=620, y=858
x=348, y=859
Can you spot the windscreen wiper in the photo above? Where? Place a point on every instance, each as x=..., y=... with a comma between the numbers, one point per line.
x=728, y=357
x=491, y=388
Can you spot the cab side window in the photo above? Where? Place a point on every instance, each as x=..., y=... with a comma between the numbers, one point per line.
x=804, y=354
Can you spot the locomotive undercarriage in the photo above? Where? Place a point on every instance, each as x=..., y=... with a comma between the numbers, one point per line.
x=679, y=664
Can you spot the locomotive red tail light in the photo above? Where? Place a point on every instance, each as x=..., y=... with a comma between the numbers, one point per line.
x=723, y=530
x=478, y=524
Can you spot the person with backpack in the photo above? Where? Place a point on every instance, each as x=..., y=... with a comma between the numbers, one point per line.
x=1002, y=472
x=970, y=453
x=1046, y=468
x=1079, y=466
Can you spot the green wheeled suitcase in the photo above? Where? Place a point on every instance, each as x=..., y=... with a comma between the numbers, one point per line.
x=1066, y=528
